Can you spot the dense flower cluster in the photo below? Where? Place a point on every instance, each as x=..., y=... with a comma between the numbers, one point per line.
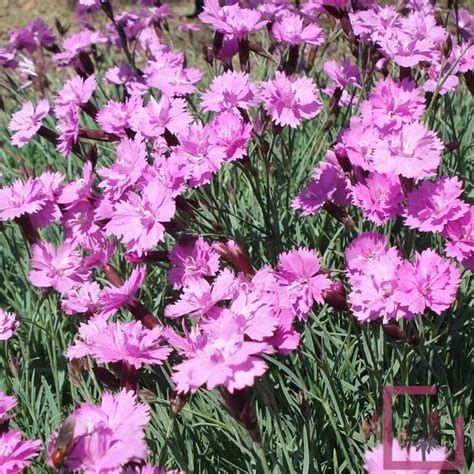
x=170, y=133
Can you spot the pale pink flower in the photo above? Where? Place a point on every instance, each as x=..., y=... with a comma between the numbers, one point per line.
x=379, y=197
x=431, y=282
x=21, y=198
x=366, y=248
x=173, y=81
x=299, y=274
x=82, y=299
x=192, y=260
x=77, y=43
x=6, y=404
x=15, y=454
x=343, y=74
x=229, y=91
x=124, y=75
x=391, y=105
x=113, y=298
x=434, y=204
x=8, y=324
x=413, y=152
x=86, y=336
x=290, y=28
x=221, y=357
x=60, y=268
x=75, y=92
x=359, y=141
x=138, y=220
x=170, y=114
x=68, y=127
x=460, y=235
x=231, y=133
x=27, y=121
x=129, y=342
x=108, y=436
x=115, y=117
x=290, y=99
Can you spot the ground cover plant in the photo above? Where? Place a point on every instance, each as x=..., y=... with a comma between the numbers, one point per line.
x=215, y=262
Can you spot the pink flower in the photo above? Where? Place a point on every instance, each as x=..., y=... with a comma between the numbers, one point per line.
x=328, y=181
x=61, y=269
x=431, y=282
x=113, y=298
x=391, y=105
x=230, y=132
x=32, y=36
x=137, y=221
x=202, y=158
x=82, y=299
x=230, y=91
x=115, y=117
x=152, y=120
x=75, y=92
x=129, y=342
x=108, y=436
x=343, y=74
x=379, y=197
x=77, y=43
x=15, y=454
x=27, y=121
x=124, y=75
x=290, y=28
x=86, y=336
x=375, y=293
x=366, y=248
x=433, y=205
x=290, y=99
x=173, y=81
x=192, y=260
x=413, y=152
x=200, y=297
x=460, y=235
x=6, y=404
x=219, y=357
x=21, y=198
x=8, y=324
x=374, y=458
x=299, y=274
x=68, y=127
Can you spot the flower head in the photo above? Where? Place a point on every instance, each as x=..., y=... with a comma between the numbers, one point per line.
x=230, y=91
x=290, y=28
x=27, y=121
x=75, y=92
x=8, y=324
x=290, y=99
x=6, y=404
x=431, y=282
x=434, y=204
x=15, y=454
x=460, y=235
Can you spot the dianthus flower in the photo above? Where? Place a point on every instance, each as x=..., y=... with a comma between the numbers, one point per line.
x=299, y=274
x=374, y=458
x=366, y=248
x=21, y=198
x=460, y=235
x=82, y=299
x=124, y=75
x=202, y=158
x=152, y=120
x=374, y=23
x=8, y=324
x=328, y=181
x=379, y=197
x=290, y=29
x=231, y=133
x=129, y=342
x=15, y=454
x=108, y=436
x=138, y=220
x=431, y=282
x=113, y=298
x=343, y=74
x=192, y=260
x=434, y=204
x=6, y=404
x=200, y=297
x=173, y=81
x=290, y=99
x=27, y=121
x=68, y=127
x=115, y=117
x=60, y=268
x=86, y=336
x=219, y=357
x=375, y=293
x=391, y=105
x=75, y=92
x=77, y=43
x=359, y=142
x=229, y=91
x=32, y=36
x=127, y=169
x=413, y=152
